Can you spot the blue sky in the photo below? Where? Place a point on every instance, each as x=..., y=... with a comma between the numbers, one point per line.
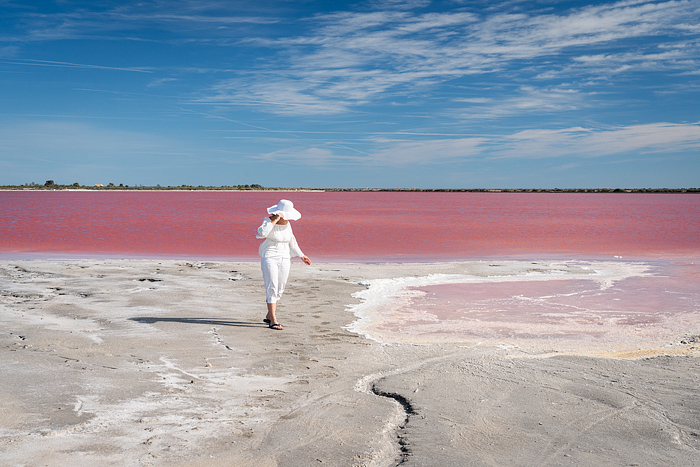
x=385, y=93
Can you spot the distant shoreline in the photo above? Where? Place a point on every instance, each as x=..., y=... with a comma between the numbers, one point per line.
x=258, y=188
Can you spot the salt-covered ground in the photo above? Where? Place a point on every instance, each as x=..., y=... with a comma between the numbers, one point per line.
x=116, y=362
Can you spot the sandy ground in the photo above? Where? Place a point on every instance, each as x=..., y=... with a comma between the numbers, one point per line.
x=118, y=362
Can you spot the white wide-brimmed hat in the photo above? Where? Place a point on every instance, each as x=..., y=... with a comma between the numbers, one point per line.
x=286, y=208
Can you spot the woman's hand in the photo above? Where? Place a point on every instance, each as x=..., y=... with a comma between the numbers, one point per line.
x=306, y=260
x=275, y=218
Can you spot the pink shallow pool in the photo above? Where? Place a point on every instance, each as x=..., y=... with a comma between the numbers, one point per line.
x=632, y=311
x=578, y=301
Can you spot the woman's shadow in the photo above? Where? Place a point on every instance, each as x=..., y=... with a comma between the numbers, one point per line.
x=207, y=321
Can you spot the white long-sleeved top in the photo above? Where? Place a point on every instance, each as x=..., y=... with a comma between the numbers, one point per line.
x=279, y=240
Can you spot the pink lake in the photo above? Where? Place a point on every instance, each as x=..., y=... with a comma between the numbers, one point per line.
x=364, y=226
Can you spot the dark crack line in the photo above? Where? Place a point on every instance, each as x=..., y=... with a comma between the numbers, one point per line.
x=218, y=339
x=404, y=447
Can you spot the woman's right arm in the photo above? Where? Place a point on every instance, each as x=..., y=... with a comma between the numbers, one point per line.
x=265, y=229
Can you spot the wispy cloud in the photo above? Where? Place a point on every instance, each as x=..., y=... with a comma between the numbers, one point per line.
x=525, y=100
x=576, y=142
x=654, y=138
x=337, y=62
x=187, y=20
x=350, y=58
x=422, y=86
x=276, y=95
x=8, y=51
x=160, y=82
x=49, y=63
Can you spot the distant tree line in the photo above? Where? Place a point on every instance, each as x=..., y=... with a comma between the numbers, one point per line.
x=526, y=190
x=51, y=185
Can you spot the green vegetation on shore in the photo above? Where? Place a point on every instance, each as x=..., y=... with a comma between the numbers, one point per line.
x=50, y=185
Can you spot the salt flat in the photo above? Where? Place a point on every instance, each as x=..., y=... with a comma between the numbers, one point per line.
x=135, y=362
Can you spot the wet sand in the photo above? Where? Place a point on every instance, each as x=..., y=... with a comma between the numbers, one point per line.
x=118, y=362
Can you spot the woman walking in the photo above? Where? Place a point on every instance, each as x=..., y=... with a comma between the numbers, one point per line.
x=276, y=253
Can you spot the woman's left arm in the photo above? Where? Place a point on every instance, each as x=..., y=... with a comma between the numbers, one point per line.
x=296, y=251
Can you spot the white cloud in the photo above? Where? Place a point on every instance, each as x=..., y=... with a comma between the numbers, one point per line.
x=353, y=58
x=191, y=20
x=586, y=142
x=474, y=100
x=56, y=64
x=349, y=59
x=276, y=95
x=529, y=100
x=654, y=138
x=160, y=82
x=399, y=4
x=8, y=51
x=575, y=142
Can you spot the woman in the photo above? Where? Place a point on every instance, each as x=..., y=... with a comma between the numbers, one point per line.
x=276, y=253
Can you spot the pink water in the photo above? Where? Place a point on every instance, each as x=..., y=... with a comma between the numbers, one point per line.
x=650, y=311
x=366, y=226
x=661, y=230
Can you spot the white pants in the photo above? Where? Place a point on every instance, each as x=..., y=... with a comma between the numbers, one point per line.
x=275, y=273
